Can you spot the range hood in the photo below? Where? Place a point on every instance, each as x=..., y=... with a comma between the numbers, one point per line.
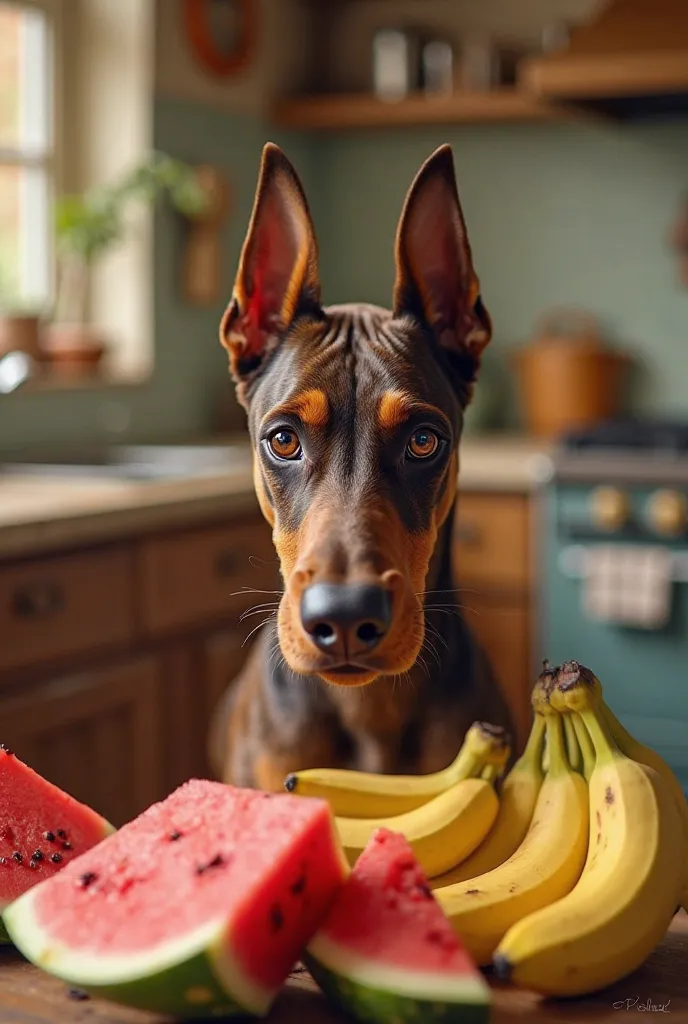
x=631, y=59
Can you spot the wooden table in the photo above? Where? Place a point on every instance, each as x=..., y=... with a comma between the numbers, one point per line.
x=28, y=996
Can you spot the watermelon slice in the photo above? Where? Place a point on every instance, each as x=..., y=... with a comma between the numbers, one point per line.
x=199, y=907
x=386, y=952
x=42, y=829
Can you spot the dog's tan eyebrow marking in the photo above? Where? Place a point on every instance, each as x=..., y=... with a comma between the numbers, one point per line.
x=395, y=407
x=311, y=407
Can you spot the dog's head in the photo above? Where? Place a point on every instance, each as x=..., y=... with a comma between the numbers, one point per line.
x=355, y=413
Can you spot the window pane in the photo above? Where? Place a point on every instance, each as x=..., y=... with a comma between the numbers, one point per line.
x=24, y=79
x=24, y=234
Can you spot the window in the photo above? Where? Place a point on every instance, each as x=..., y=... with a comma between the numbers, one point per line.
x=26, y=155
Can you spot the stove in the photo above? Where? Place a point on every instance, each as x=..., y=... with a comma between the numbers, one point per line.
x=613, y=512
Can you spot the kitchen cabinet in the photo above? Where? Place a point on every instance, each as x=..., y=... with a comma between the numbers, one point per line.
x=113, y=658
x=97, y=734
x=492, y=559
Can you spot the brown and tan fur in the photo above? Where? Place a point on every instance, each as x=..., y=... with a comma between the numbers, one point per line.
x=357, y=388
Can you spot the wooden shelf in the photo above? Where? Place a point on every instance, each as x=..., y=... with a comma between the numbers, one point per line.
x=598, y=75
x=360, y=110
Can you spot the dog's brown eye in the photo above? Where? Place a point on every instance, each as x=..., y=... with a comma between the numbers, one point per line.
x=285, y=444
x=423, y=444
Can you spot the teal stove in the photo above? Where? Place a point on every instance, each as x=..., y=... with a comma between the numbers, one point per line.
x=613, y=498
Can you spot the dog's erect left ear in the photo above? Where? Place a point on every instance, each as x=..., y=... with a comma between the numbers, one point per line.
x=435, y=279
x=278, y=268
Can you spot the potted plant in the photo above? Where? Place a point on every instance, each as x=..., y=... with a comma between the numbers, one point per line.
x=19, y=323
x=89, y=225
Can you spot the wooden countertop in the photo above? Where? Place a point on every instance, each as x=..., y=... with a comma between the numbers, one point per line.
x=29, y=997
x=49, y=512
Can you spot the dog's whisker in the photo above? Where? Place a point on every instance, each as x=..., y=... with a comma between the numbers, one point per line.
x=257, y=562
x=254, y=590
x=258, y=611
x=452, y=590
x=434, y=631
x=258, y=608
x=255, y=630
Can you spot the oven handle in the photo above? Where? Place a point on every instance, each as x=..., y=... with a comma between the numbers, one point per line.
x=574, y=559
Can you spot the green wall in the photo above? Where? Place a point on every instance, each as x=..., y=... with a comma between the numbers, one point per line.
x=558, y=215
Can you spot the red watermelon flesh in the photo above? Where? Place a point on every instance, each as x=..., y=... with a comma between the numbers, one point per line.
x=265, y=867
x=42, y=829
x=386, y=950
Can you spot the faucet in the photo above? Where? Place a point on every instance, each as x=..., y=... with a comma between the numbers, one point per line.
x=15, y=369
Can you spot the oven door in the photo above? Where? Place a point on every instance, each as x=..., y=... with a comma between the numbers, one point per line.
x=644, y=672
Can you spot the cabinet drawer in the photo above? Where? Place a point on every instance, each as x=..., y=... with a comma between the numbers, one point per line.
x=491, y=540
x=194, y=576
x=63, y=606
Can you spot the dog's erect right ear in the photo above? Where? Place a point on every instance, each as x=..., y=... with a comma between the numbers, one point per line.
x=435, y=278
x=278, y=268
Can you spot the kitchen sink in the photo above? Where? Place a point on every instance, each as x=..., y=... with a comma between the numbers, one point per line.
x=134, y=462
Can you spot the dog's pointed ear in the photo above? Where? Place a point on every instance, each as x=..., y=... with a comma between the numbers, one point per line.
x=278, y=268
x=435, y=279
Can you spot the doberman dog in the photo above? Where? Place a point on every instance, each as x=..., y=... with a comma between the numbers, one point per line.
x=355, y=414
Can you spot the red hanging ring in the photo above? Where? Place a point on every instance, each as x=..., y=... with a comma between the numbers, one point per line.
x=205, y=48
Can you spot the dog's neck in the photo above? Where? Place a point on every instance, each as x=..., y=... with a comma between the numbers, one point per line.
x=378, y=716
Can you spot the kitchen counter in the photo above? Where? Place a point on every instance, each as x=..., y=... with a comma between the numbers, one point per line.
x=40, y=513
x=30, y=997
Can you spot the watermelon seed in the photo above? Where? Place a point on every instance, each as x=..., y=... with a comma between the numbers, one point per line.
x=49, y=836
x=37, y=855
x=216, y=862
x=61, y=834
x=276, y=917
x=17, y=856
x=87, y=878
x=32, y=863
x=425, y=890
x=174, y=836
x=56, y=858
x=3, y=860
x=66, y=846
x=299, y=885
x=7, y=750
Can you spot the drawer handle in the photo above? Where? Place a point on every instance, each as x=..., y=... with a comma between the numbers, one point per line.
x=226, y=563
x=38, y=600
x=467, y=533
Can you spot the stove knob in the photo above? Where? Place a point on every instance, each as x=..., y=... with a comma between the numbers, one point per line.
x=667, y=512
x=609, y=508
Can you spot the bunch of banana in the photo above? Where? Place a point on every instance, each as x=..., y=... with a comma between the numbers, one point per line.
x=550, y=845
x=444, y=816
x=367, y=795
x=635, y=868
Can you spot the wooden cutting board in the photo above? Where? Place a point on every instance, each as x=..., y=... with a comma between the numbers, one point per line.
x=28, y=996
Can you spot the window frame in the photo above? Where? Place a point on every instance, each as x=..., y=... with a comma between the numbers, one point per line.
x=37, y=282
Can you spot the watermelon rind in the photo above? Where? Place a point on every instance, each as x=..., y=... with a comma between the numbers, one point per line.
x=4, y=937
x=379, y=993
x=188, y=978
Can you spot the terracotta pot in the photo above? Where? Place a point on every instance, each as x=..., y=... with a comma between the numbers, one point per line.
x=19, y=333
x=72, y=350
x=568, y=378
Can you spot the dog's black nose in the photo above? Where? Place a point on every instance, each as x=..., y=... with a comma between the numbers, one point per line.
x=346, y=620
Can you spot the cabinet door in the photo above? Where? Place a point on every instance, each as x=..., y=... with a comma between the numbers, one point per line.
x=502, y=626
x=95, y=734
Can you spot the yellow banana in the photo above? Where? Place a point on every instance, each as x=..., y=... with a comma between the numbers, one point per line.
x=368, y=795
x=441, y=831
x=646, y=755
x=516, y=806
x=632, y=748
x=545, y=866
x=491, y=773
x=621, y=907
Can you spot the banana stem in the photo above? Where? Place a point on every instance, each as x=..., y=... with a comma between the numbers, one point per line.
x=585, y=743
x=558, y=761
x=532, y=754
x=598, y=730
x=572, y=746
